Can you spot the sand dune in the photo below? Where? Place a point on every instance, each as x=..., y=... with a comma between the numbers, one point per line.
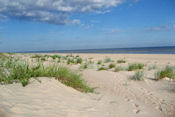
x=50, y=99
x=116, y=95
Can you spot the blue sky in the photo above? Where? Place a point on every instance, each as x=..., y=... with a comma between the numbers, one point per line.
x=86, y=24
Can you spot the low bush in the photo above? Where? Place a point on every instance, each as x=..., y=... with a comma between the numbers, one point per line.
x=36, y=56
x=152, y=67
x=102, y=68
x=168, y=71
x=135, y=66
x=112, y=65
x=121, y=61
x=99, y=62
x=139, y=75
x=119, y=68
x=79, y=60
x=107, y=60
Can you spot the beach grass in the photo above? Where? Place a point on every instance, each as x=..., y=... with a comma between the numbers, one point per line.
x=99, y=62
x=135, y=66
x=102, y=68
x=14, y=71
x=107, y=60
x=119, y=68
x=79, y=60
x=121, y=61
x=111, y=65
x=152, y=67
x=139, y=75
x=168, y=71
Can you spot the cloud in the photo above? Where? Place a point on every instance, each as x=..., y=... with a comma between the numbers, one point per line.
x=160, y=28
x=112, y=31
x=76, y=22
x=52, y=11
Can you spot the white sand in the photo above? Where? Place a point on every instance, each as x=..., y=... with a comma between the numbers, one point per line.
x=118, y=96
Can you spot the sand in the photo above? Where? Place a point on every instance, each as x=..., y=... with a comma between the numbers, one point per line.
x=116, y=95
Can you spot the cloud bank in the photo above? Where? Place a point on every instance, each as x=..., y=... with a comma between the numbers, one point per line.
x=52, y=11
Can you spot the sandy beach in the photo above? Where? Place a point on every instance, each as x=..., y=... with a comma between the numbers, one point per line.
x=116, y=95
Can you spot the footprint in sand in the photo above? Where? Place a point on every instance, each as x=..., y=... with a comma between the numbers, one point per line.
x=137, y=111
x=128, y=100
x=159, y=108
x=135, y=105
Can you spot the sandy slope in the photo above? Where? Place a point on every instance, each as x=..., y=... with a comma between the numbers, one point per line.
x=148, y=98
x=117, y=95
x=50, y=99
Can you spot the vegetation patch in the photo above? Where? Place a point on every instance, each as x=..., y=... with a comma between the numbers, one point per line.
x=168, y=71
x=79, y=60
x=36, y=56
x=107, y=60
x=121, y=61
x=102, y=68
x=112, y=65
x=139, y=75
x=14, y=71
x=152, y=67
x=135, y=66
x=99, y=62
x=119, y=68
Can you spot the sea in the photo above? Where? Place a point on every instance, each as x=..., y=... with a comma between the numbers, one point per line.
x=132, y=50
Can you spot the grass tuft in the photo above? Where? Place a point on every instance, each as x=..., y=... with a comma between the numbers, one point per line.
x=121, y=61
x=168, y=71
x=152, y=67
x=119, y=68
x=79, y=60
x=135, y=66
x=112, y=65
x=139, y=75
x=99, y=62
x=36, y=56
x=107, y=60
x=102, y=68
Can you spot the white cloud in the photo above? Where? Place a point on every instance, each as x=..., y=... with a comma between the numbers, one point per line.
x=52, y=11
x=76, y=21
x=160, y=28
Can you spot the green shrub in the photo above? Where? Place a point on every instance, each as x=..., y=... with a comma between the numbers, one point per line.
x=43, y=58
x=54, y=57
x=107, y=60
x=85, y=66
x=70, y=60
x=168, y=71
x=64, y=58
x=36, y=56
x=117, y=69
x=102, y=68
x=79, y=60
x=99, y=62
x=135, y=66
x=112, y=65
x=47, y=56
x=121, y=61
x=139, y=75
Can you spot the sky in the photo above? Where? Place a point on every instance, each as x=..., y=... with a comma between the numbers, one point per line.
x=42, y=25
